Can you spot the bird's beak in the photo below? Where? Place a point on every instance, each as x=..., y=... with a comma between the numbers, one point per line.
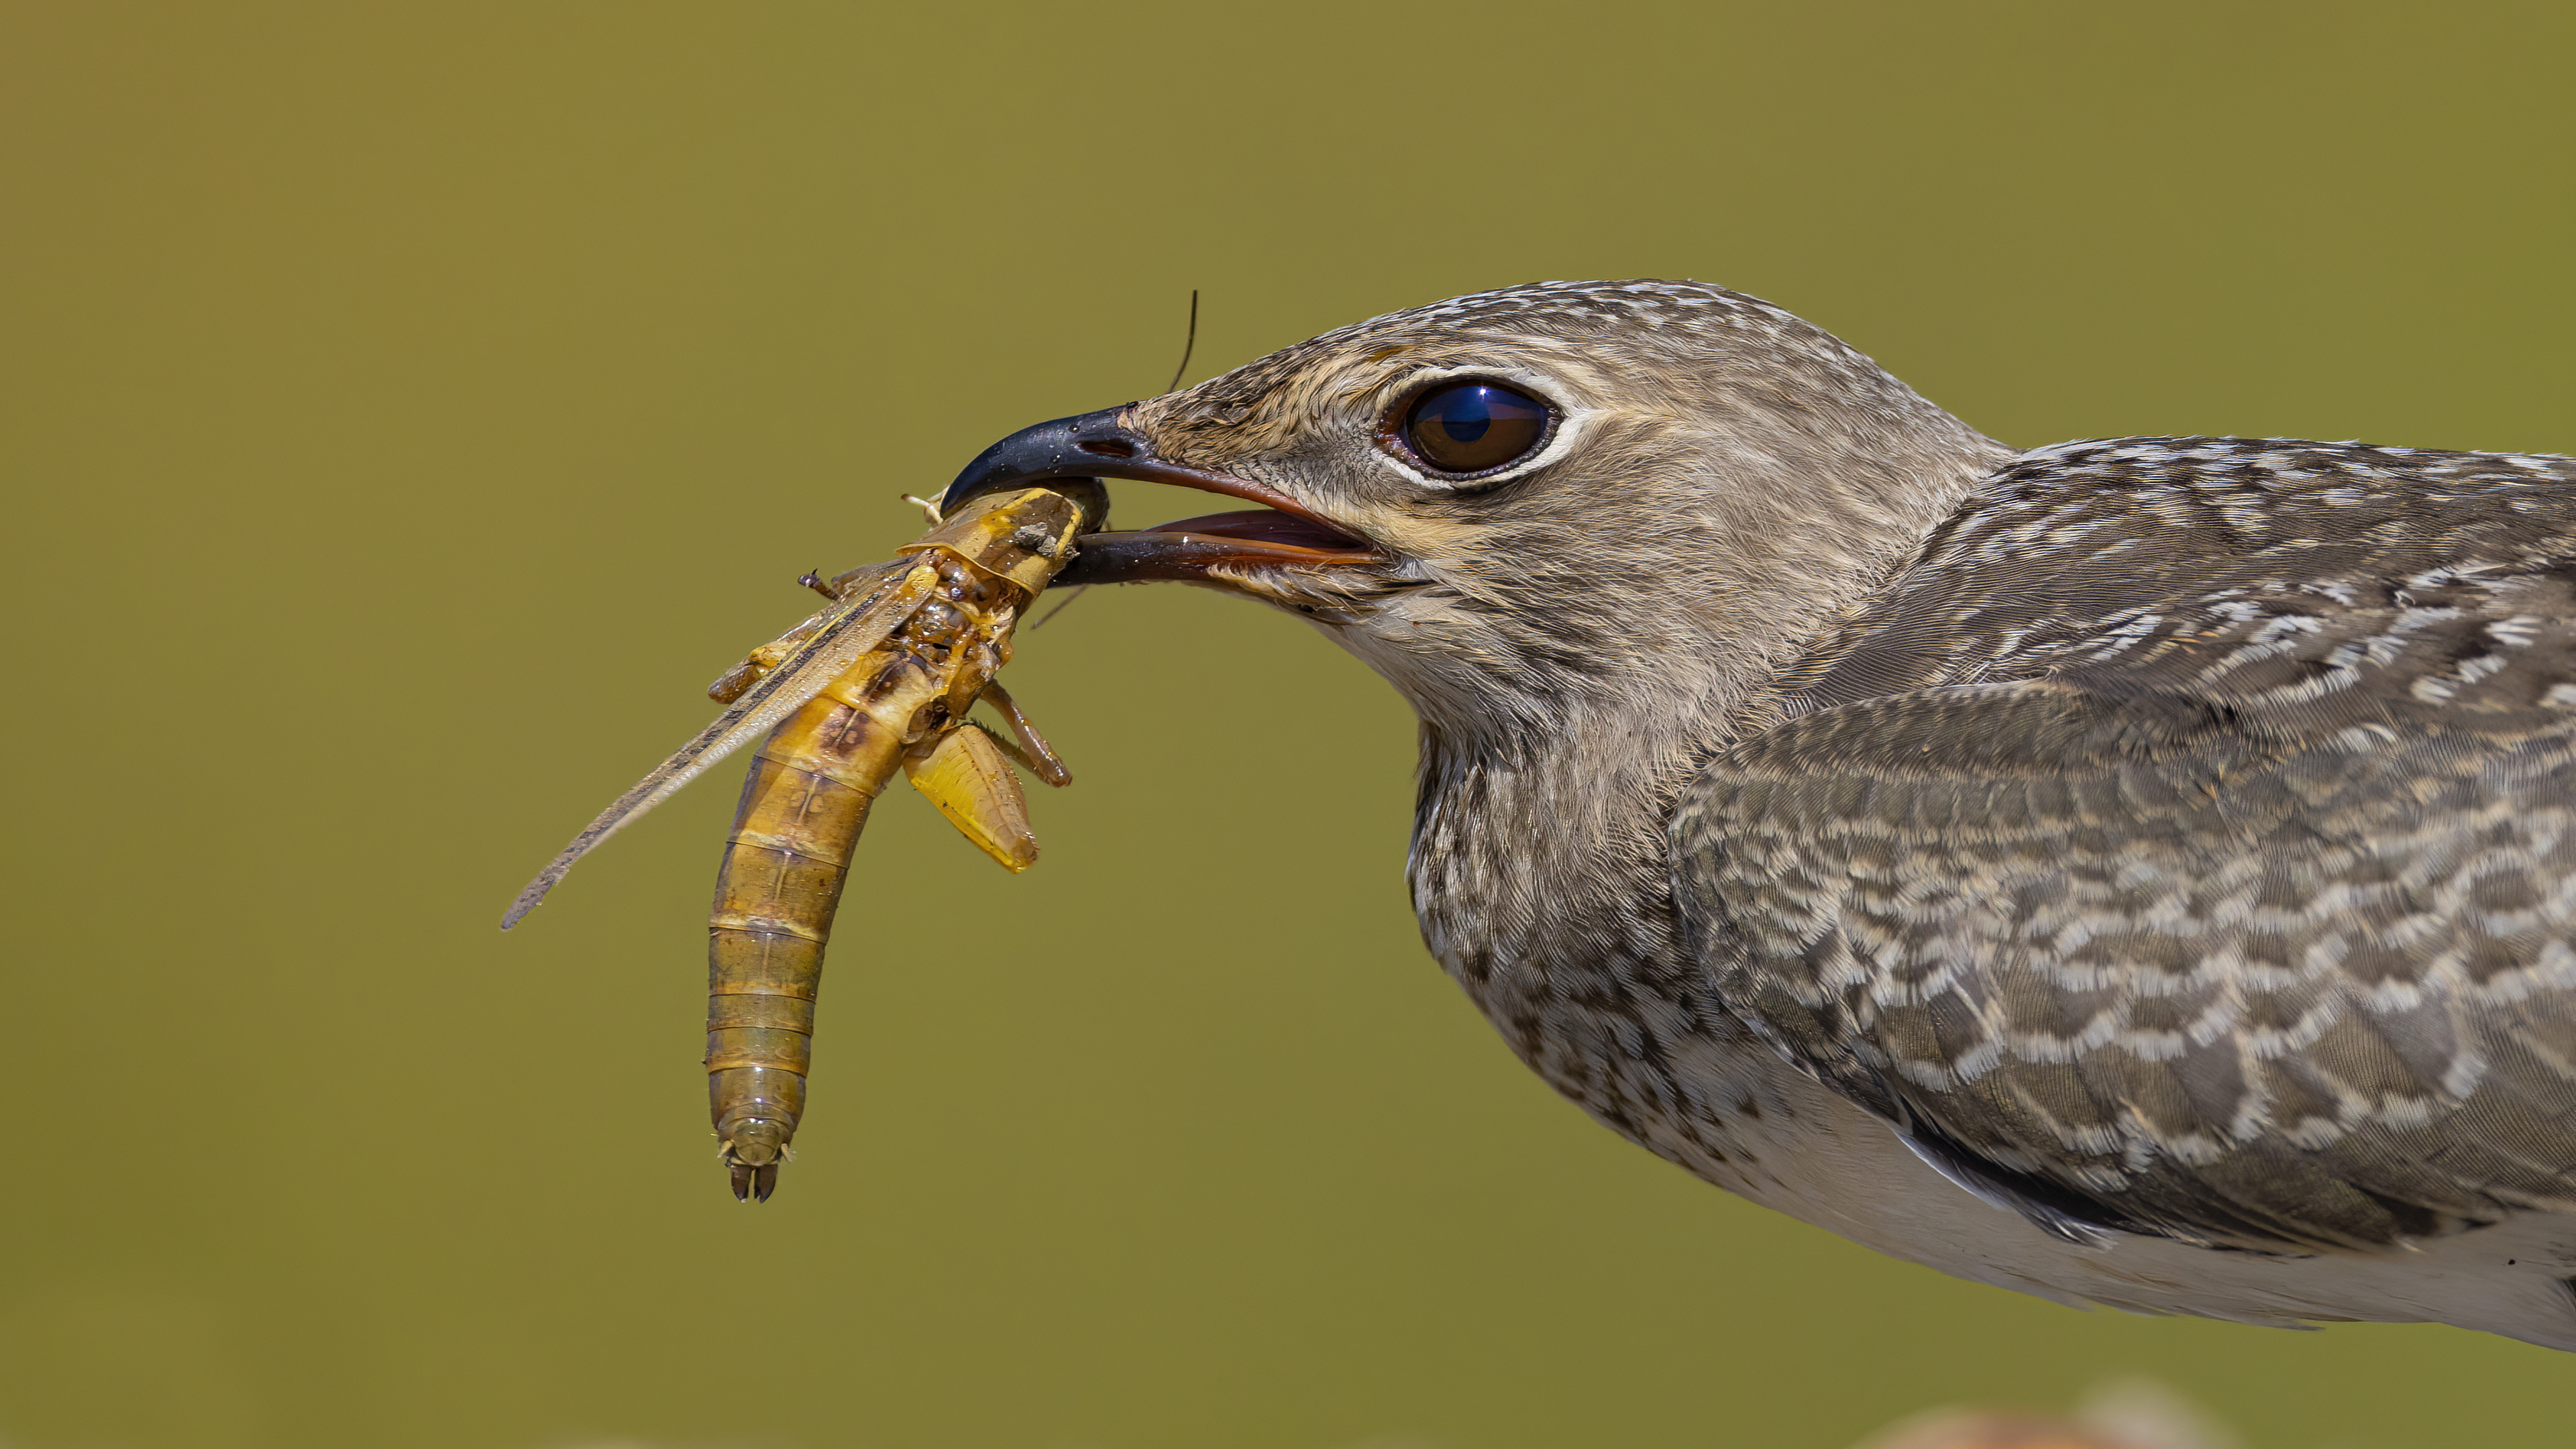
x=1282, y=534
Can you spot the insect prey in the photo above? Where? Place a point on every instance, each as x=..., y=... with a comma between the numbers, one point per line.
x=879, y=680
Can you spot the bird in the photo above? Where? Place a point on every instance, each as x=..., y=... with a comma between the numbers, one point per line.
x=2137, y=872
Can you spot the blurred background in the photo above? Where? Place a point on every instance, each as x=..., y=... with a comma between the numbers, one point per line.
x=410, y=406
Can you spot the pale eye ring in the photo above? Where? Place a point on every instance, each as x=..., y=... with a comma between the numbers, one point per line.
x=1467, y=427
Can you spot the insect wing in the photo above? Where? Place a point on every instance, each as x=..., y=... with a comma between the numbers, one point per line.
x=871, y=615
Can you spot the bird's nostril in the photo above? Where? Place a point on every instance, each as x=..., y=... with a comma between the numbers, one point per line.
x=1108, y=447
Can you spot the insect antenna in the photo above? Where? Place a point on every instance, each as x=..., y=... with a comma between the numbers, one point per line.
x=1189, y=343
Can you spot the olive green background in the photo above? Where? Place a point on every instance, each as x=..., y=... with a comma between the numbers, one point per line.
x=409, y=406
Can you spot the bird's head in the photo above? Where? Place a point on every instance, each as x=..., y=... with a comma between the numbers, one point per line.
x=1536, y=505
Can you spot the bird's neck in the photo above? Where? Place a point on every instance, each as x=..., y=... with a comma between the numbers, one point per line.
x=1538, y=849
x=1539, y=878
x=1539, y=862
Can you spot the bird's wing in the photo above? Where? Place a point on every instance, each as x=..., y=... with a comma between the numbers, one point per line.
x=2248, y=923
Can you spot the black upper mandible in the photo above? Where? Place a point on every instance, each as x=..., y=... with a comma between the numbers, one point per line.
x=1086, y=446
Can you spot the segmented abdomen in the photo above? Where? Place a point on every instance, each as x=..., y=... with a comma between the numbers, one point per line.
x=803, y=805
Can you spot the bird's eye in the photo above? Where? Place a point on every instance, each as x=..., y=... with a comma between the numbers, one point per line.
x=1474, y=427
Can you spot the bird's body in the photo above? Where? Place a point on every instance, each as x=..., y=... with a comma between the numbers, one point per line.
x=2132, y=872
x=1944, y=864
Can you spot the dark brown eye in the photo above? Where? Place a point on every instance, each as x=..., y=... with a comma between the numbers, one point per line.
x=1472, y=427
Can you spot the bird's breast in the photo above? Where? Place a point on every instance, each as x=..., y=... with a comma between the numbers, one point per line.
x=1561, y=928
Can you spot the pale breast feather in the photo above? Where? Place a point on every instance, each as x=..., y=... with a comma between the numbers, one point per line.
x=2186, y=843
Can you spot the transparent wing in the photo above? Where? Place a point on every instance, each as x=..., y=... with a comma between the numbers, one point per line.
x=869, y=612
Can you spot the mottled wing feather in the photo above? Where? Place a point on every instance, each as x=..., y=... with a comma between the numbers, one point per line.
x=2240, y=915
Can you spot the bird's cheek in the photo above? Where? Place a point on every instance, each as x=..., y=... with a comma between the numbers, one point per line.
x=1444, y=543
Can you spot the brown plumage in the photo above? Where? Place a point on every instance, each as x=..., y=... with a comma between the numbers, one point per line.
x=2135, y=872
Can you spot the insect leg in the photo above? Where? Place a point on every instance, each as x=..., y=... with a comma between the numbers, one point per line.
x=963, y=772
x=1042, y=761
